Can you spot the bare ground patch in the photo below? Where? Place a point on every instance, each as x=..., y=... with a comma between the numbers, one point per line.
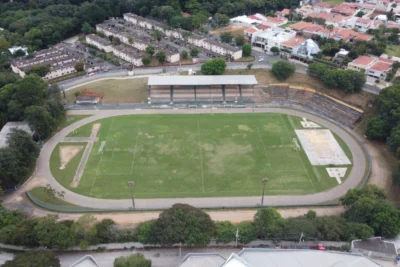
x=67, y=153
x=234, y=29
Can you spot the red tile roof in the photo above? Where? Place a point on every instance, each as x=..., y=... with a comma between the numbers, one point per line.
x=251, y=30
x=263, y=27
x=313, y=28
x=300, y=25
x=253, y=17
x=323, y=5
x=363, y=21
x=186, y=15
x=362, y=37
x=363, y=60
x=387, y=60
x=286, y=11
x=293, y=42
x=381, y=66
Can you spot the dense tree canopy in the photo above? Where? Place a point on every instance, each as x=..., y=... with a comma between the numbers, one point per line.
x=183, y=224
x=214, y=66
x=283, y=70
x=33, y=259
x=135, y=260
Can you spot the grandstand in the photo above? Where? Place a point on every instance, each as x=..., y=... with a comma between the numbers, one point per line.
x=201, y=89
x=284, y=94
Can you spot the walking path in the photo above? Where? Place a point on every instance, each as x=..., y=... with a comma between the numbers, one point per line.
x=355, y=178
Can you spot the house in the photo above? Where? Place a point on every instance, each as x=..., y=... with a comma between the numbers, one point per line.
x=249, y=32
x=260, y=257
x=375, y=247
x=132, y=18
x=346, y=9
x=340, y=56
x=99, y=42
x=283, y=13
x=380, y=68
x=305, y=10
x=170, y=51
x=9, y=127
x=16, y=48
x=305, y=50
x=323, y=7
x=362, y=63
x=287, y=46
x=129, y=54
x=222, y=48
x=275, y=22
x=196, y=40
x=61, y=62
x=245, y=20
x=300, y=26
x=271, y=37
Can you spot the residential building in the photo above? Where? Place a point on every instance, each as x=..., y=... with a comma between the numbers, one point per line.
x=305, y=10
x=196, y=40
x=245, y=20
x=99, y=42
x=362, y=63
x=275, y=22
x=170, y=51
x=340, y=56
x=61, y=62
x=346, y=9
x=380, y=68
x=271, y=37
x=222, y=48
x=249, y=32
x=129, y=54
x=375, y=247
x=16, y=48
x=258, y=257
x=306, y=50
x=283, y=13
x=300, y=26
x=323, y=7
x=287, y=46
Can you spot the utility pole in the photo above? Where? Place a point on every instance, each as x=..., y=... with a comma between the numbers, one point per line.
x=131, y=185
x=301, y=237
x=264, y=181
x=237, y=236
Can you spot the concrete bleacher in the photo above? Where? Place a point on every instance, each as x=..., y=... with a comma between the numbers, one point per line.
x=284, y=94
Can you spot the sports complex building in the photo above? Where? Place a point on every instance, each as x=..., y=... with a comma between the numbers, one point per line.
x=226, y=88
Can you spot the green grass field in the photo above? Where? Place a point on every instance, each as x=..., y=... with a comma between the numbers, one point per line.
x=393, y=50
x=195, y=156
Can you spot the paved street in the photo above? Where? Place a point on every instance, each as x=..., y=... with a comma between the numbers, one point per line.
x=43, y=174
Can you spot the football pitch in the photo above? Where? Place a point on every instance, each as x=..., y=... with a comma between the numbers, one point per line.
x=203, y=155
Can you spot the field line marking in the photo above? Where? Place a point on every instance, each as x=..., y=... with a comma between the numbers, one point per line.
x=134, y=153
x=115, y=144
x=201, y=156
x=101, y=157
x=302, y=163
x=265, y=152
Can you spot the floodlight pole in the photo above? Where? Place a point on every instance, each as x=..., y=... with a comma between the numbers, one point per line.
x=264, y=181
x=131, y=185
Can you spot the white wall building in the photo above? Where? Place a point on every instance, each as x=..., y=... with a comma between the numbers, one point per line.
x=99, y=42
x=271, y=37
x=129, y=54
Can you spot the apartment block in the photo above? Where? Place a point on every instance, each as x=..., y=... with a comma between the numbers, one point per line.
x=99, y=42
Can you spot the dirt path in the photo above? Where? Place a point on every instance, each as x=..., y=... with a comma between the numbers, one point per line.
x=235, y=216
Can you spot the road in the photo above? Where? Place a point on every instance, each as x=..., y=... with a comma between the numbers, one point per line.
x=44, y=176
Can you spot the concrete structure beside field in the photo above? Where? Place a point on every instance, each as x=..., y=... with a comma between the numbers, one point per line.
x=202, y=89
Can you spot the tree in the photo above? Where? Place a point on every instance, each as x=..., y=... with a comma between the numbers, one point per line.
x=79, y=66
x=40, y=121
x=135, y=260
x=226, y=37
x=352, y=231
x=41, y=71
x=266, y=222
x=84, y=231
x=183, y=224
x=104, y=230
x=52, y=234
x=247, y=232
x=222, y=19
x=246, y=50
x=86, y=28
x=295, y=227
x=26, y=150
x=4, y=45
x=282, y=70
x=239, y=40
x=377, y=129
x=370, y=191
x=194, y=51
x=249, y=66
x=214, y=66
x=34, y=258
x=25, y=92
x=225, y=232
x=360, y=14
x=161, y=57
x=143, y=232
x=146, y=60
x=150, y=50
x=184, y=54
x=157, y=35
x=275, y=50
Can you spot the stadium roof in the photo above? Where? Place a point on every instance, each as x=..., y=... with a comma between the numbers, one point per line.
x=202, y=80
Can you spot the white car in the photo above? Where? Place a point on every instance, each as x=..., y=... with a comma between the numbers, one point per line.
x=261, y=60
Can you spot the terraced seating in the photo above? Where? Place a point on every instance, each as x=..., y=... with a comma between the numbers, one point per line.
x=309, y=99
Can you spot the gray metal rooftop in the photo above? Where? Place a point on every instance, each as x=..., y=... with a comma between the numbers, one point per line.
x=376, y=245
x=6, y=130
x=203, y=80
x=202, y=260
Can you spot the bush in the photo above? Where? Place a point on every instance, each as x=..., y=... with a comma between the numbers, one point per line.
x=246, y=50
x=282, y=70
x=214, y=66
